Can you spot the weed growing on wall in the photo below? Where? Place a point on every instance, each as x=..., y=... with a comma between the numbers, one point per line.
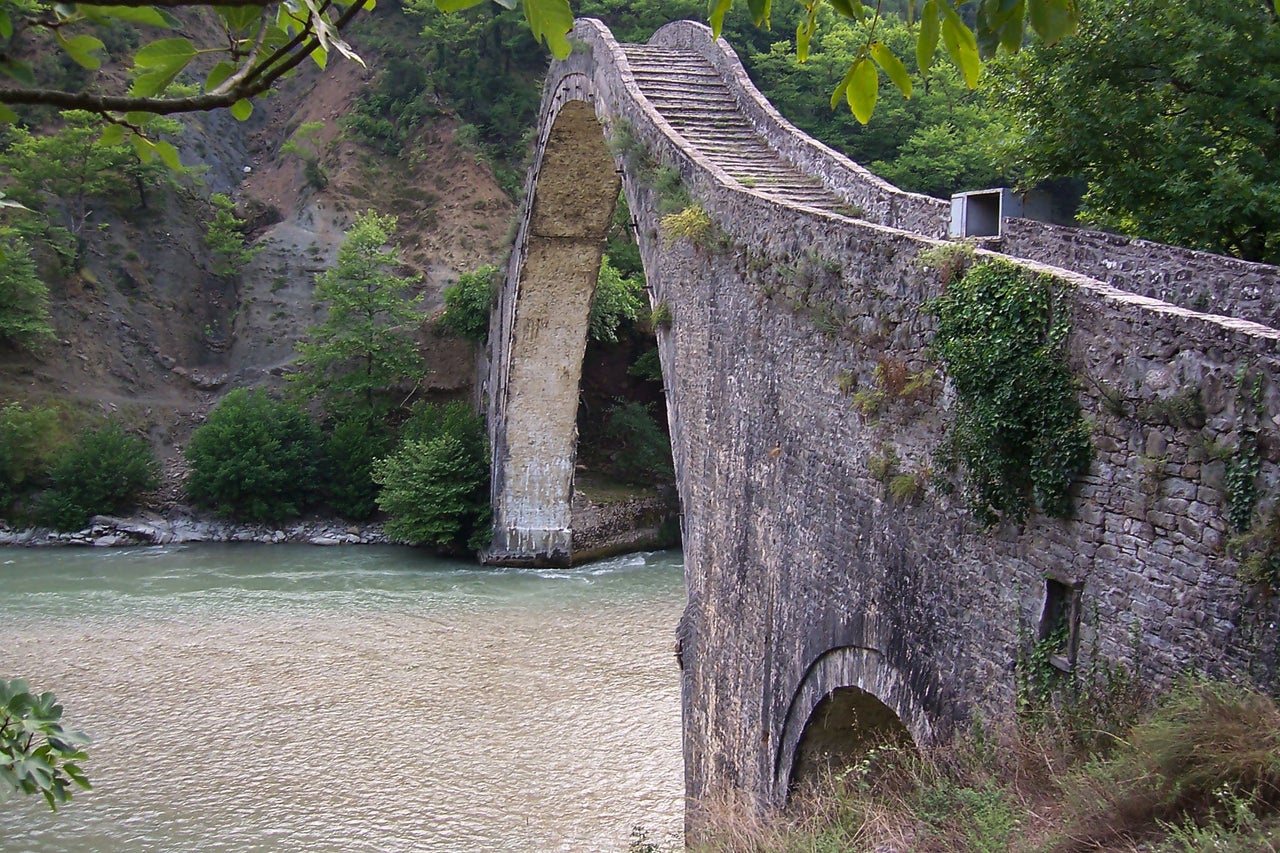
x=693, y=224
x=1018, y=429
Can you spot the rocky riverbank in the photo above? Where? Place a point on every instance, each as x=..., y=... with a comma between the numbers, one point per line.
x=604, y=524
x=106, y=531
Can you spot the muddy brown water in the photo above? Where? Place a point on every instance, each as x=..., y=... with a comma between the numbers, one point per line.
x=294, y=698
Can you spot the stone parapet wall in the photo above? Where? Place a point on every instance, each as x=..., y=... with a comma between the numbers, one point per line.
x=1200, y=281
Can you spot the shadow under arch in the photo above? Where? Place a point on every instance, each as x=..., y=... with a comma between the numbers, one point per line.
x=539, y=331
x=849, y=700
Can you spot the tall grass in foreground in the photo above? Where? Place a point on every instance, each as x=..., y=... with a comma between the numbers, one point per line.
x=1198, y=772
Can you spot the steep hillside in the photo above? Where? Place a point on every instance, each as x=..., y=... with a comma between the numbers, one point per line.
x=147, y=330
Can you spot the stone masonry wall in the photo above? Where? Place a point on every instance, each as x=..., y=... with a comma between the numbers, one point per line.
x=804, y=575
x=1197, y=280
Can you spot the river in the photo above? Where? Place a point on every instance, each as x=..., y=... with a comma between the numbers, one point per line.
x=296, y=698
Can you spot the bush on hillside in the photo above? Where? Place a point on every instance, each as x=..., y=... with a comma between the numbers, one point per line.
x=350, y=451
x=102, y=472
x=255, y=459
x=435, y=487
x=29, y=442
x=467, y=303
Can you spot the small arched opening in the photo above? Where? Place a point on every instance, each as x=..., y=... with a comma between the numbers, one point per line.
x=844, y=727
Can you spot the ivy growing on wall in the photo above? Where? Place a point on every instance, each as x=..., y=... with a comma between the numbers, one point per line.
x=1018, y=430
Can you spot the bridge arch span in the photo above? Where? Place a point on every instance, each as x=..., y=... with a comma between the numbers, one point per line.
x=828, y=549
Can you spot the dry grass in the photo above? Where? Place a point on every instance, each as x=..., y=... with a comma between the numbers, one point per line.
x=1200, y=773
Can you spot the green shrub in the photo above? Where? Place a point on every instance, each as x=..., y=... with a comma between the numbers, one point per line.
x=617, y=301
x=255, y=458
x=24, y=298
x=647, y=367
x=349, y=453
x=29, y=442
x=102, y=472
x=435, y=487
x=467, y=304
x=642, y=451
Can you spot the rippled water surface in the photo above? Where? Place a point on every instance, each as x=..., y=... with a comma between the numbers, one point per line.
x=278, y=698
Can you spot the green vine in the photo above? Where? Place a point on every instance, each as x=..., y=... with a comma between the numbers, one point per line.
x=1242, y=482
x=1018, y=428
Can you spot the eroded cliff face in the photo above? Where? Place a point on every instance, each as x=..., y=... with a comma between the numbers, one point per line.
x=147, y=331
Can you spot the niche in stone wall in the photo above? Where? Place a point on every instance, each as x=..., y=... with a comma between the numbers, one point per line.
x=1060, y=622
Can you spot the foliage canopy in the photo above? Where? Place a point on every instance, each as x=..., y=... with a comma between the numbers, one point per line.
x=435, y=487
x=366, y=346
x=258, y=42
x=1167, y=109
x=255, y=458
x=102, y=471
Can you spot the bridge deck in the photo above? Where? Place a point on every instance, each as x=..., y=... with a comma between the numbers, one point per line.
x=693, y=97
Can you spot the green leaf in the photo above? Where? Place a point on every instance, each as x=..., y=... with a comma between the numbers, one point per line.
x=218, y=75
x=1052, y=19
x=961, y=45
x=6, y=25
x=893, y=67
x=550, y=21
x=165, y=54
x=456, y=5
x=148, y=16
x=759, y=12
x=927, y=43
x=242, y=109
x=82, y=48
x=238, y=19
x=143, y=147
x=715, y=15
x=804, y=32
x=169, y=155
x=18, y=70
x=864, y=86
x=112, y=134
x=7, y=116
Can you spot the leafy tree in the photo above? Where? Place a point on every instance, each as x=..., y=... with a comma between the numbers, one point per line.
x=616, y=301
x=1167, y=109
x=225, y=238
x=365, y=347
x=304, y=143
x=37, y=755
x=351, y=449
x=102, y=471
x=30, y=440
x=255, y=458
x=435, y=487
x=24, y=298
x=467, y=303
x=642, y=451
x=940, y=140
x=66, y=169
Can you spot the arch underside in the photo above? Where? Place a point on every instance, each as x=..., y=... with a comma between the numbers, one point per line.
x=867, y=702
x=545, y=327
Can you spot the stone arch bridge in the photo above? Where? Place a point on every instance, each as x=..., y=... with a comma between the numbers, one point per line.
x=807, y=583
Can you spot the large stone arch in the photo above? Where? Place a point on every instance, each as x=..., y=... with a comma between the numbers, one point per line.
x=540, y=331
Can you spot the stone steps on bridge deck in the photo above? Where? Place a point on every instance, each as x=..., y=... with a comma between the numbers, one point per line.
x=692, y=96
